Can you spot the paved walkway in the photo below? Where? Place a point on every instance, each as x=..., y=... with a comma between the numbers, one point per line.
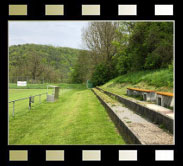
x=154, y=107
x=161, y=109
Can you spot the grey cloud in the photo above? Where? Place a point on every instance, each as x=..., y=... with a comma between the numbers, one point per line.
x=57, y=33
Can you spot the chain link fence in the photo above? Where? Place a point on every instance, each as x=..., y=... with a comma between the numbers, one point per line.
x=29, y=80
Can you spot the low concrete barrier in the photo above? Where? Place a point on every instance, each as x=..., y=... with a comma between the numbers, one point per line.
x=125, y=132
x=147, y=113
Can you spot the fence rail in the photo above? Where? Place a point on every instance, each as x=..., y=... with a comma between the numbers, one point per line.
x=30, y=101
x=30, y=80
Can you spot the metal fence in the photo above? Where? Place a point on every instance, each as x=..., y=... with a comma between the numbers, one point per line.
x=30, y=80
x=21, y=102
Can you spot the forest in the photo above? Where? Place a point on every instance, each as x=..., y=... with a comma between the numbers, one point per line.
x=111, y=49
x=42, y=62
x=118, y=48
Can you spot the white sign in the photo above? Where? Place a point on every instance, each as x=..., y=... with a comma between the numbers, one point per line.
x=21, y=83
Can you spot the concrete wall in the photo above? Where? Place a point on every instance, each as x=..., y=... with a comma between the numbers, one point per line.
x=125, y=132
x=50, y=98
x=166, y=101
x=150, y=96
x=57, y=92
x=147, y=113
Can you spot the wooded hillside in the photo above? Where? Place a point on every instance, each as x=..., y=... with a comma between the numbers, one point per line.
x=118, y=48
x=53, y=64
x=112, y=49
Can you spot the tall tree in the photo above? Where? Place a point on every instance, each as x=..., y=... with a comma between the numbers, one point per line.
x=98, y=37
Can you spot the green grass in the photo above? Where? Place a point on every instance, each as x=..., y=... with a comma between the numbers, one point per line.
x=158, y=80
x=76, y=118
x=21, y=93
x=72, y=86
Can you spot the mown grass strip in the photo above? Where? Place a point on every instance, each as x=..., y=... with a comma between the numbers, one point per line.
x=76, y=118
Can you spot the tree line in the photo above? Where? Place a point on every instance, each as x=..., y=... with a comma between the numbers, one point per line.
x=111, y=49
x=42, y=62
x=117, y=48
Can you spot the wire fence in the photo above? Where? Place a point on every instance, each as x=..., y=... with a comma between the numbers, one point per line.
x=25, y=103
x=29, y=80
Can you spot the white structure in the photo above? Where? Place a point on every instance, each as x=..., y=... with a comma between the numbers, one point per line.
x=165, y=99
x=55, y=93
x=148, y=95
x=21, y=83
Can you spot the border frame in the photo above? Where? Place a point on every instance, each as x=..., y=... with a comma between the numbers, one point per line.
x=73, y=153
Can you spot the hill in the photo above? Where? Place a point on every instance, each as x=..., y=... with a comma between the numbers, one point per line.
x=42, y=61
x=159, y=80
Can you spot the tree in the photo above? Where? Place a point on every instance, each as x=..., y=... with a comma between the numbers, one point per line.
x=144, y=45
x=101, y=74
x=41, y=61
x=98, y=38
x=34, y=66
x=82, y=69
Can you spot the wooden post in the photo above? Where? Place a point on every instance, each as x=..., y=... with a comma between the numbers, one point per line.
x=40, y=99
x=13, y=108
x=29, y=102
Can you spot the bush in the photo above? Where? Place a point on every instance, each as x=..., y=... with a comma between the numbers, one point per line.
x=153, y=61
x=102, y=73
x=122, y=64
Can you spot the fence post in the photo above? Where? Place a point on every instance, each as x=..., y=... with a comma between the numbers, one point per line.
x=40, y=98
x=13, y=108
x=29, y=102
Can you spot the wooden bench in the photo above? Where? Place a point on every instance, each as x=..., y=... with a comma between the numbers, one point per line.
x=165, y=93
x=165, y=99
x=148, y=95
x=141, y=90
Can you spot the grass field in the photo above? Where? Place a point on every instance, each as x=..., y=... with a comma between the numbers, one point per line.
x=21, y=93
x=76, y=118
x=44, y=86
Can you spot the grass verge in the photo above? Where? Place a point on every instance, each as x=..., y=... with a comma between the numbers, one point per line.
x=158, y=80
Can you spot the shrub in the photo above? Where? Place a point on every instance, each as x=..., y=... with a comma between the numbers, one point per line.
x=102, y=73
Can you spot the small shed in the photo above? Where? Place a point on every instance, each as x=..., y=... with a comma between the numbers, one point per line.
x=55, y=93
x=148, y=95
x=165, y=99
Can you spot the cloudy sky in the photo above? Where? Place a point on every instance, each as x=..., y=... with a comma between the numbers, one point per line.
x=56, y=33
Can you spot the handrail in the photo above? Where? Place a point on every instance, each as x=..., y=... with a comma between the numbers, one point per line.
x=30, y=101
x=26, y=97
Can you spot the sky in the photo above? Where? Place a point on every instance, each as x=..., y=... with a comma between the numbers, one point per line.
x=55, y=33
